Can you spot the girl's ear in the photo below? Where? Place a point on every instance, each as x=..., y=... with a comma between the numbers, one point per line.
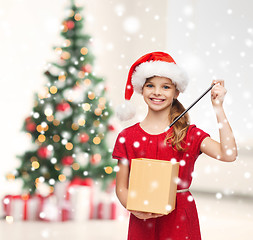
x=176, y=94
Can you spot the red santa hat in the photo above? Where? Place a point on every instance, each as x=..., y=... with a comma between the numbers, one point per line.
x=152, y=64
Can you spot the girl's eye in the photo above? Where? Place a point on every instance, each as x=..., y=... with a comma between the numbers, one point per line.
x=149, y=85
x=166, y=87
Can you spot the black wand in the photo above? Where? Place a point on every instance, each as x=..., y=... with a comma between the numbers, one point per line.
x=186, y=110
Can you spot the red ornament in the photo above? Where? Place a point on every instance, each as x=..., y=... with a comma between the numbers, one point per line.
x=70, y=25
x=84, y=137
x=96, y=158
x=67, y=160
x=62, y=107
x=43, y=152
x=30, y=126
x=111, y=127
x=87, y=68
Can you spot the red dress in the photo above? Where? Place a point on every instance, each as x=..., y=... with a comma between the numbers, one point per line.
x=182, y=223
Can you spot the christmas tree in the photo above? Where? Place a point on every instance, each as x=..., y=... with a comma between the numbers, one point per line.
x=70, y=118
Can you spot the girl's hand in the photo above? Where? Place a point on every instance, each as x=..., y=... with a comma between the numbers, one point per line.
x=145, y=215
x=218, y=93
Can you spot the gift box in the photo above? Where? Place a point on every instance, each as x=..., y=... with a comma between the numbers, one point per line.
x=54, y=211
x=80, y=198
x=109, y=208
x=22, y=207
x=152, y=186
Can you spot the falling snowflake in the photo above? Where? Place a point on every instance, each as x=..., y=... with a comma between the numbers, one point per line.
x=136, y=144
x=122, y=140
x=131, y=25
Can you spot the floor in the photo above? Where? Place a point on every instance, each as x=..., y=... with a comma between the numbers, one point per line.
x=221, y=218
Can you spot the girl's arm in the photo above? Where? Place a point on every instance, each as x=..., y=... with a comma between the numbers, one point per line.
x=226, y=150
x=122, y=177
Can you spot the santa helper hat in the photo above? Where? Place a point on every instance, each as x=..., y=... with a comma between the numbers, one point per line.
x=152, y=64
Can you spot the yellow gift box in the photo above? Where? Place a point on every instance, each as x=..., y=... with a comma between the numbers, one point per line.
x=152, y=186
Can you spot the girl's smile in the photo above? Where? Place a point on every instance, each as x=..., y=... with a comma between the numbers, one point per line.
x=157, y=100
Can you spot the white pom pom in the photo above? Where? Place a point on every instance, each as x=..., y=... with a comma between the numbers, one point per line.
x=125, y=111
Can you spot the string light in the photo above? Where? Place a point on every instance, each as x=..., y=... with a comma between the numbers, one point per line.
x=62, y=178
x=101, y=106
x=62, y=78
x=69, y=146
x=98, y=111
x=75, y=166
x=53, y=89
x=56, y=122
x=91, y=95
x=56, y=138
x=84, y=51
x=96, y=140
x=86, y=106
x=102, y=100
x=108, y=170
x=66, y=55
x=39, y=128
x=57, y=167
x=41, y=138
x=10, y=177
x=58, y=50
x=74, y=126
x=96, y=123
x=81, y=122
x=78, y=17
x=87, y=82
x=81, y=74
x=67, y=43
x=35, y=165
x=50, y=118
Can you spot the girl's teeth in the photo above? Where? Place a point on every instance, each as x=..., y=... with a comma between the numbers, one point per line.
x=157, y=100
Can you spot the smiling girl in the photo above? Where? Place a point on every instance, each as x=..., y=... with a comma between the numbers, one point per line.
x=160, y=81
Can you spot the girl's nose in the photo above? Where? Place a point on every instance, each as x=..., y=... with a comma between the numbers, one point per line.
x=157, y=91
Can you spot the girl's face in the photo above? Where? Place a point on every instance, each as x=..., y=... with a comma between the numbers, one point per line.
x=159, y=92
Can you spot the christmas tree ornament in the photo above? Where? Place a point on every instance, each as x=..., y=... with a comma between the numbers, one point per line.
x=30, y=126
x=70, y=25
x=96, y=158
x=87, y=68
x=43, y=152
x=67, y=160
x=84, y=137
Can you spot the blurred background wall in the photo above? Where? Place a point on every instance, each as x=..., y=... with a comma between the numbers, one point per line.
x=210, y=39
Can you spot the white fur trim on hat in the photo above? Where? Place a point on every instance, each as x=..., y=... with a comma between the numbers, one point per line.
x=161, y=69
x=125, y=111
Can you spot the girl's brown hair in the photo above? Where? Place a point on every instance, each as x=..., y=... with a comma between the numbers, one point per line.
x=180, y=128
